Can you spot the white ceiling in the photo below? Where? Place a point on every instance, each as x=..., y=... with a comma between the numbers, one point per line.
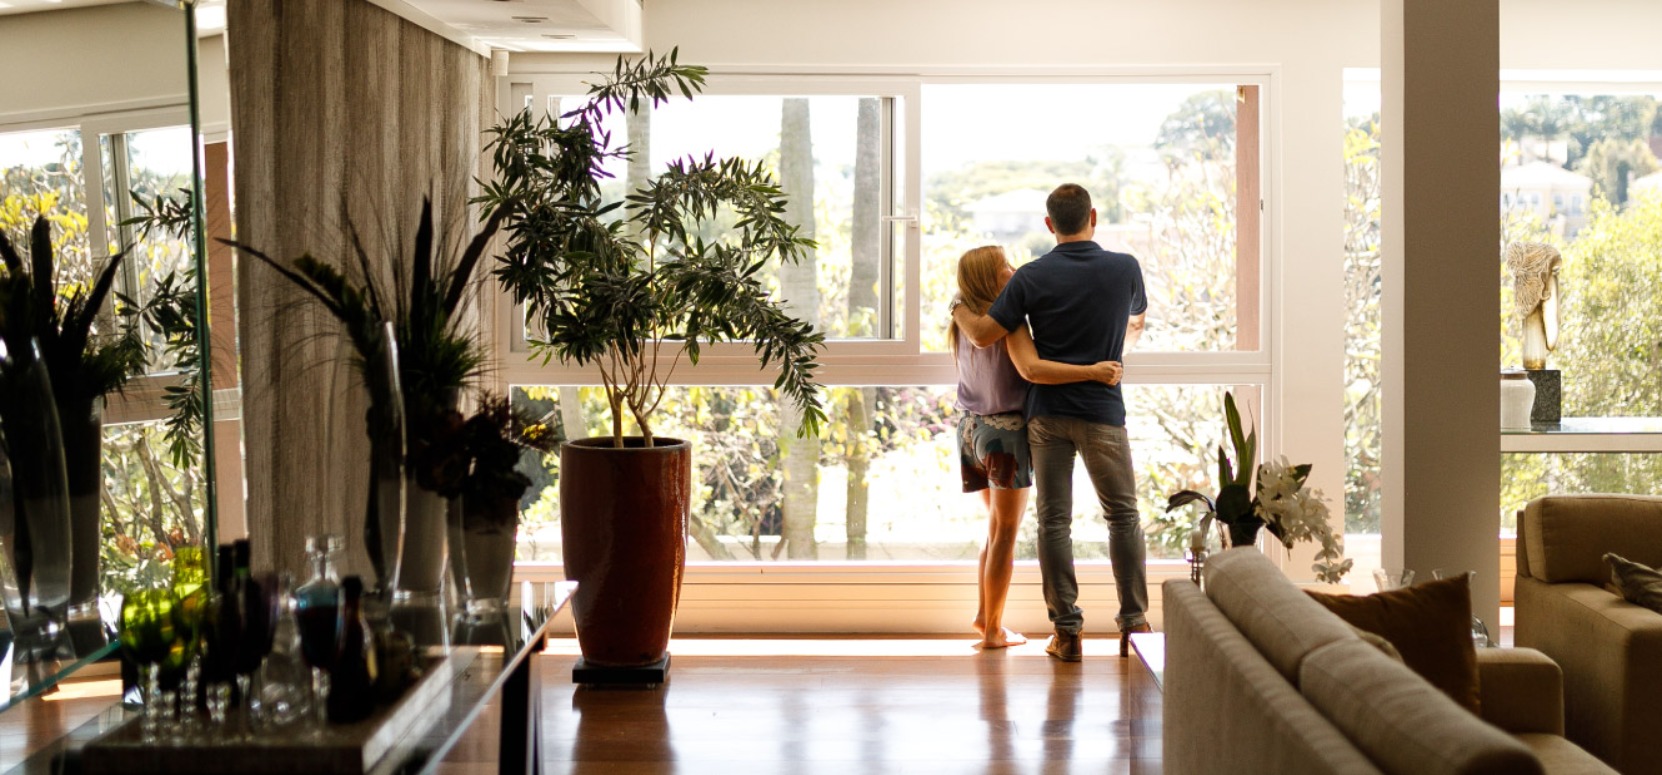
x=210, y=14
x=25, y=6
x=609, y=26
x=541, y=25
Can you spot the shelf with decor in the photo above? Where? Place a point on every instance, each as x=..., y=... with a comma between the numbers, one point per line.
x=1588, y=434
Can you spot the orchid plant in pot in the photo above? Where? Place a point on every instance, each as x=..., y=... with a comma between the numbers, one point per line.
x=495, y=439
x=1277, y=499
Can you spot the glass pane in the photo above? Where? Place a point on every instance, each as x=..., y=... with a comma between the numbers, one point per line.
x=1526, y=476
x=42, y=175
x=826, y=152
x=1158, y=159
x=1363, y=429
x=139, y=167
x=153, y=506
x=1580, y=174
x=911, y=504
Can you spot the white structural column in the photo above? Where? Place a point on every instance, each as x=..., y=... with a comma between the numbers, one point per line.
x=1440, y=77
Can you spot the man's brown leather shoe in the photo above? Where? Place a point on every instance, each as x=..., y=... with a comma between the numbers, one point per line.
x=1064, y=646
x=1125, y=637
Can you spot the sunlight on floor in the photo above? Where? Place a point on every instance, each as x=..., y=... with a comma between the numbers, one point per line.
x=81, y=690
x=852, y=646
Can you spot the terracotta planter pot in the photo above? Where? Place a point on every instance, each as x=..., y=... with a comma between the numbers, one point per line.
x=623, y=518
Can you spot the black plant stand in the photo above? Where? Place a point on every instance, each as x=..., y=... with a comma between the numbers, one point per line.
x=645, y=675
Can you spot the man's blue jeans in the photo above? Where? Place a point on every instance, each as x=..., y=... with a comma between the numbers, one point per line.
x=1107, y=455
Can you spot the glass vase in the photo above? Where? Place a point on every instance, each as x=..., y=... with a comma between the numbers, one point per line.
x=36, y=550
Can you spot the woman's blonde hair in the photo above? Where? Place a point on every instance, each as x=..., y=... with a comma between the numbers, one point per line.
x=978, y=282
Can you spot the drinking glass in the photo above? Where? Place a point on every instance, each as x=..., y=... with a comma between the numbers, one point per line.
x=1387, y=579
x=257, y=609
x=146, y=632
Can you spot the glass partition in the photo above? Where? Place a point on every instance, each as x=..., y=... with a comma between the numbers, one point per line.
x=114, y=170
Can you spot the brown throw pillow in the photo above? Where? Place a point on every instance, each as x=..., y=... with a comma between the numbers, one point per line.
x=1430, y=625
x=1637, y=583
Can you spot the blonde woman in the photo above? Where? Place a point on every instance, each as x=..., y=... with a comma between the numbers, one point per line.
x=992, y=433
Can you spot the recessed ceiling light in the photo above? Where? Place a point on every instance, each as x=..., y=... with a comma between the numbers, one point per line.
x=531, y=19
x=558, y=36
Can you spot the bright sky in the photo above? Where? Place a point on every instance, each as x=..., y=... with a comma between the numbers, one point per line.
x=166, y=150
x=962, y=124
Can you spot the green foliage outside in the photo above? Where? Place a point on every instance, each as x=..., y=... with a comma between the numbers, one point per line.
x=1611, y=267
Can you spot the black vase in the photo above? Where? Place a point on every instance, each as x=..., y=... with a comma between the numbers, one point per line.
x=1245, y=532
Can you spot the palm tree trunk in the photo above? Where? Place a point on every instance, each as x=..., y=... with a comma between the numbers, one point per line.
x=799, y=286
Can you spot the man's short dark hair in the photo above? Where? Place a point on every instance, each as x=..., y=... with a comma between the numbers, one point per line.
x=1069, y=208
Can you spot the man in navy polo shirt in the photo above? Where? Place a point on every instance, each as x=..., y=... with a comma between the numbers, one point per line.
x=1083, y=305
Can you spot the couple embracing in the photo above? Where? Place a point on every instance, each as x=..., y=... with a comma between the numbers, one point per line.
x=1039, y=353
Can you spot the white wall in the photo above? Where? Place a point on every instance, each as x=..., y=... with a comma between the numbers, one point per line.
x=81, y=62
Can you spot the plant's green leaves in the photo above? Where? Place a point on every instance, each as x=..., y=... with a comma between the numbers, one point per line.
x=1185, y=497
x=41, y=277
x=1234, y=503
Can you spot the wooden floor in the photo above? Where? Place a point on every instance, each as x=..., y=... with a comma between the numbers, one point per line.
x=799, y=707
x=739, y=706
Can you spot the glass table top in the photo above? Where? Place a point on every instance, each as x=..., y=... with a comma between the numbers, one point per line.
x=484, y=649
x=26, y=680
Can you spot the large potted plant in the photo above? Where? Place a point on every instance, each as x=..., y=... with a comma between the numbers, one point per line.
x=630, y=289
x=87, y=351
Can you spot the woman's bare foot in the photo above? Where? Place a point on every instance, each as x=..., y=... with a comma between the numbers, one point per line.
x=1004, y=638
x=979, y=625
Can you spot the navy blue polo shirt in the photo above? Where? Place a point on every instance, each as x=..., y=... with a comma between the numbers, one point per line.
x=1078, y=300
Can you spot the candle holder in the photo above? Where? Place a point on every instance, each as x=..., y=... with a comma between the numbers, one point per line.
x=1197, y=561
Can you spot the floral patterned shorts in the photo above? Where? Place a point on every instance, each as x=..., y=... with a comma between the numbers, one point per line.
x=993, y=452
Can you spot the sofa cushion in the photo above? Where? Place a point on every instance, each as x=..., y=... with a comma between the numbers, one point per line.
x=1223, y=703
x=1637, y=583
x=1430, y=625
x=1567, y=536
x=1281, y=622
x=1562, y=757
x=1403, y=724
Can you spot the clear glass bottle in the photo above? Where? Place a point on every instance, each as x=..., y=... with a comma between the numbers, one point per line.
x=317, y=609
x=282, y=693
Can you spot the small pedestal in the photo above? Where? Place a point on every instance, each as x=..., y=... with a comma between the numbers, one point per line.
x=1549, y=397
x=651, y=674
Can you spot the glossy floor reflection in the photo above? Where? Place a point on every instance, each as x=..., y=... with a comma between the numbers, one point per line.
x=857, y=706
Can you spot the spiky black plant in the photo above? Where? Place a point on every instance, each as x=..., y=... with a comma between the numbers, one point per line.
x=616, y=294
x=437, y=357
x=84, y=364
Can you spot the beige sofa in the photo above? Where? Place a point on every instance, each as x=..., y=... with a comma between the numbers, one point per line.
x=1610, y=649
x=1259, y=678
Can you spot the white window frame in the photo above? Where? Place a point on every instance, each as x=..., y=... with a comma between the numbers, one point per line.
x=908, y=597
x=142, y=398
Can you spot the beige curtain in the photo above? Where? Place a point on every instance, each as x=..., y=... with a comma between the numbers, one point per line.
x=342, y=113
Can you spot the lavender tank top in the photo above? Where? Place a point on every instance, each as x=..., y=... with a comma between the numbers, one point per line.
x=988, y=382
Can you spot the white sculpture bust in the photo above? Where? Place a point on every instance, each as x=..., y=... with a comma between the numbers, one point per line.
x=1534, y=268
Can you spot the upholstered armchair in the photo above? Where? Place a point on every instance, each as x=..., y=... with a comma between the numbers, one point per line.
x=1610, y=650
